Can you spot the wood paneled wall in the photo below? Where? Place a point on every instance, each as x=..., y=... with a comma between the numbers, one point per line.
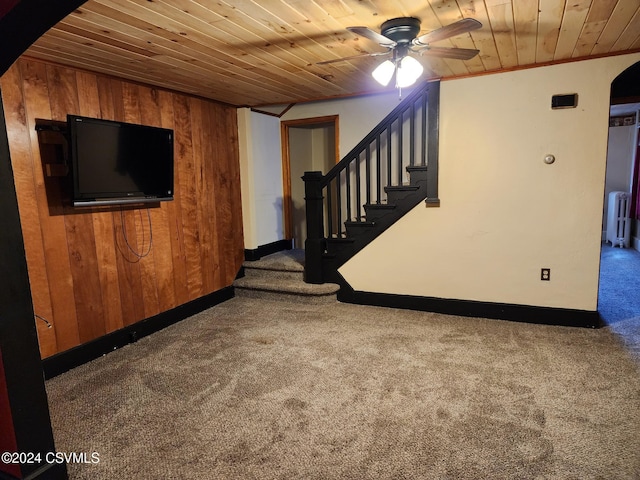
x=86, y=272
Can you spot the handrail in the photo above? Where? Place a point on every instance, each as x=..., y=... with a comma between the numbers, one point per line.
x=378, y=129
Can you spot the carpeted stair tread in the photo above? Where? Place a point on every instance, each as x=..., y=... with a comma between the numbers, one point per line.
x=287, y=261
x=278, y=267
x=280, y=276
x=286, y=286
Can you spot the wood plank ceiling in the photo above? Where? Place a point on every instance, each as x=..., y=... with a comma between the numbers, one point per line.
x=265, y=52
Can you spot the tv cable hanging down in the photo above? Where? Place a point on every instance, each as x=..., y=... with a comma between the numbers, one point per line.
x=130, y=248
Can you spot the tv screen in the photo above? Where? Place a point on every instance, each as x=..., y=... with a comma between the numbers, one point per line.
x=118, y=163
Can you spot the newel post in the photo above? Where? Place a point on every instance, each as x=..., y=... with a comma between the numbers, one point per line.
x=314, y=244
x=433, y=142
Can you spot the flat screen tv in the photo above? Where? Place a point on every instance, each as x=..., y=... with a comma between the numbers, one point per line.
x=119, y=163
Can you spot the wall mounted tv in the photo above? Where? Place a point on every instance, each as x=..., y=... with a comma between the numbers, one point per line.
x=119, y=163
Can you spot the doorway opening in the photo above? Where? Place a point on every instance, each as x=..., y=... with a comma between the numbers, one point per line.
x=618, y=299
x=309, y=144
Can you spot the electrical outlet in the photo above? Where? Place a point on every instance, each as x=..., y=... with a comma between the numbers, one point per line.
x=545, y=274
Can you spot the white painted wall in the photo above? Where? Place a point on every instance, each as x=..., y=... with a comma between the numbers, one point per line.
x=504, y=213
x=261, y=178
x=301, y=160
x=357, y=115
x=620, y=155
x=324, y=148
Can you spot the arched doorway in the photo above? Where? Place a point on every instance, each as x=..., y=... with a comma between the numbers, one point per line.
x=618, y=299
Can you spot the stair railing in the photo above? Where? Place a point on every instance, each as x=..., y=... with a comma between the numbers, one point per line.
x=407, y=137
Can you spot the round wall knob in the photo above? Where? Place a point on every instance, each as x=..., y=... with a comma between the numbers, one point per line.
x=549, y=159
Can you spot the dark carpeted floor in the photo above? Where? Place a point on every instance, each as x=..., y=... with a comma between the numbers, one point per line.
x=619, y=293
x=254, y=389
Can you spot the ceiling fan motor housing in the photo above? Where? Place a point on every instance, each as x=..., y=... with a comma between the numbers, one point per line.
x=401, y=30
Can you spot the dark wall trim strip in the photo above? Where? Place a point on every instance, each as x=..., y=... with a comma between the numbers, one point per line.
x=268, y=249
x=22, y=366
x=469, y=308
x=26, y=22
x=64, y=361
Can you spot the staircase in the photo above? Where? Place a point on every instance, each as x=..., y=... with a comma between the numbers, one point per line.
x=393, y=169
x=280, y=277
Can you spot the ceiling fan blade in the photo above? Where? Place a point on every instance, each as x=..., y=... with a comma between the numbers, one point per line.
x=344, y=59
x=455, y=53
x=372, y=35
x=461, y=26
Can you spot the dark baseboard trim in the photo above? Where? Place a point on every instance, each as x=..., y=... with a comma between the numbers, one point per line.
x=64, y=361
x=470, y=308
x=264, y=250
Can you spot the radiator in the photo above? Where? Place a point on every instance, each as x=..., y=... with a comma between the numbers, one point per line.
x=618, y=222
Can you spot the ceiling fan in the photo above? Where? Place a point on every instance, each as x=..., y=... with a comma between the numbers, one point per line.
x=400, y=37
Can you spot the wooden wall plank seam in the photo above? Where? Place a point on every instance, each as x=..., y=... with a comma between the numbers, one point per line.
x=37, y=94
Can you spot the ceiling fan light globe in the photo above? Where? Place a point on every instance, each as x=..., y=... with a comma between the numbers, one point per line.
x=384, y=72
x=409, y=70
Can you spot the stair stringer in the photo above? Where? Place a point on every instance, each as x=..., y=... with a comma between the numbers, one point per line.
x=336, y=256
